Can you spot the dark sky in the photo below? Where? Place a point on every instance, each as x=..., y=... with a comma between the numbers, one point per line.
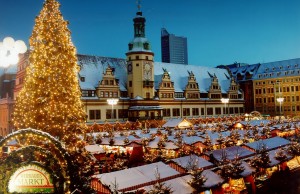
x=218, y=31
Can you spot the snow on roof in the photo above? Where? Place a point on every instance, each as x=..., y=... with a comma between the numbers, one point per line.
x=136, y=176
x=11, y=69
x=278, y=69
x=168, y=145
x=256, y=122
x=178, y=185
x=187, y=160
x=273, y=160
x=93, y=67
x=179, y=75
x=175, y=122
x=94, y=149
x=248, y=169
x=213, y=179
x=271, y=143
x=231, y=153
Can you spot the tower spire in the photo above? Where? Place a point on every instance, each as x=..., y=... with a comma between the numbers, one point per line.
x=138, y=3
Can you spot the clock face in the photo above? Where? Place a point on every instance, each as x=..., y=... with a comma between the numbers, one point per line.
x=129, y=68
x=147, y=71
x=147, y=67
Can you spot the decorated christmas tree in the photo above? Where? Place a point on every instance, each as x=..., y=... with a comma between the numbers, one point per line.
x=198, y=180
x=50, y=99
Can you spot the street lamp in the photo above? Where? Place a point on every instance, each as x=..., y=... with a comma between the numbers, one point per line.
x=280, y=100
x=10, y=50
x=112, y=102
x=225, y=101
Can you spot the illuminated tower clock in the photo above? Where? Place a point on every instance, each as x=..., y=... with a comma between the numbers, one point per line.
x=140, y=70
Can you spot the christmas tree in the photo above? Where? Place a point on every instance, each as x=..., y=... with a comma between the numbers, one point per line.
x=198, y=180
x=50, y=99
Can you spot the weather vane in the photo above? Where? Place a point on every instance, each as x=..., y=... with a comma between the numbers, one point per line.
x=138, y=2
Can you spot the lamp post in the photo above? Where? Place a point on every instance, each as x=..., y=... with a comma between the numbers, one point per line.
x=10, y=50
x=112, y=102
x=225, y=101
x=280, y=100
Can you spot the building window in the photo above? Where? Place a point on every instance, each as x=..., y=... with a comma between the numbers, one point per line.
x=186, y=112
x=109, y=114
x=176, y=112
x=195, y=111
x=210, y=111
x=166, y=112
x=82, y=79
x=202, y=111
x=88, y=93
x=218, y=111
x=122, y=113
x=130, y=83
x=179, y=95
x=94, y=114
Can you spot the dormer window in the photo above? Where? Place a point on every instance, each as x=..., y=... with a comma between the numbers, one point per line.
x=82, y=79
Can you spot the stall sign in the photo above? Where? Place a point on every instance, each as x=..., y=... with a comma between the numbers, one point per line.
x=30, y=179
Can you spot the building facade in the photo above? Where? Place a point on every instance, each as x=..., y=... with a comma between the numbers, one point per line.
x=145, y=89
x=264, y=84
x=173, y=48
x=7, y=84
x=149, y=90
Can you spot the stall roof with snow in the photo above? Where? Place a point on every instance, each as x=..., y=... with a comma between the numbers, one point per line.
x=178, y=122
x=230, y=153
x=270, y=143
x=192, y=160
x=136, y=176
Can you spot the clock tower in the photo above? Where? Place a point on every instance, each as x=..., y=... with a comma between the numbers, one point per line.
x=140, y=69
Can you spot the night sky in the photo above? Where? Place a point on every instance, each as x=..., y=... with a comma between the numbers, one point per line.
x=218, y=31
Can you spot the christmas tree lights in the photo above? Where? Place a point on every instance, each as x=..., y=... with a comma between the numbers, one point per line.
x=50, y=99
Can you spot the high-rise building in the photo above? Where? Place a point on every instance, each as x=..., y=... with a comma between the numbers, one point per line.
x=173, y=48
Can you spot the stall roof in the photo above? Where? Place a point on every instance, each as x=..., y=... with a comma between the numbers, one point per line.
x=94, y=149
x=135, y=176
x=272, y=156
x=178, y=185
x=248, y=169
x=178, y=122
x=231, y=153
x=187, y=160
x=271, y=143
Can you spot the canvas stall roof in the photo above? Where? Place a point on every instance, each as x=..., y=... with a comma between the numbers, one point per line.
x=94, y=149
x=178, y=185
x=136, y=176
x=177, y=122
x=231, y=153
x=271, y=143
x=194, y=159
